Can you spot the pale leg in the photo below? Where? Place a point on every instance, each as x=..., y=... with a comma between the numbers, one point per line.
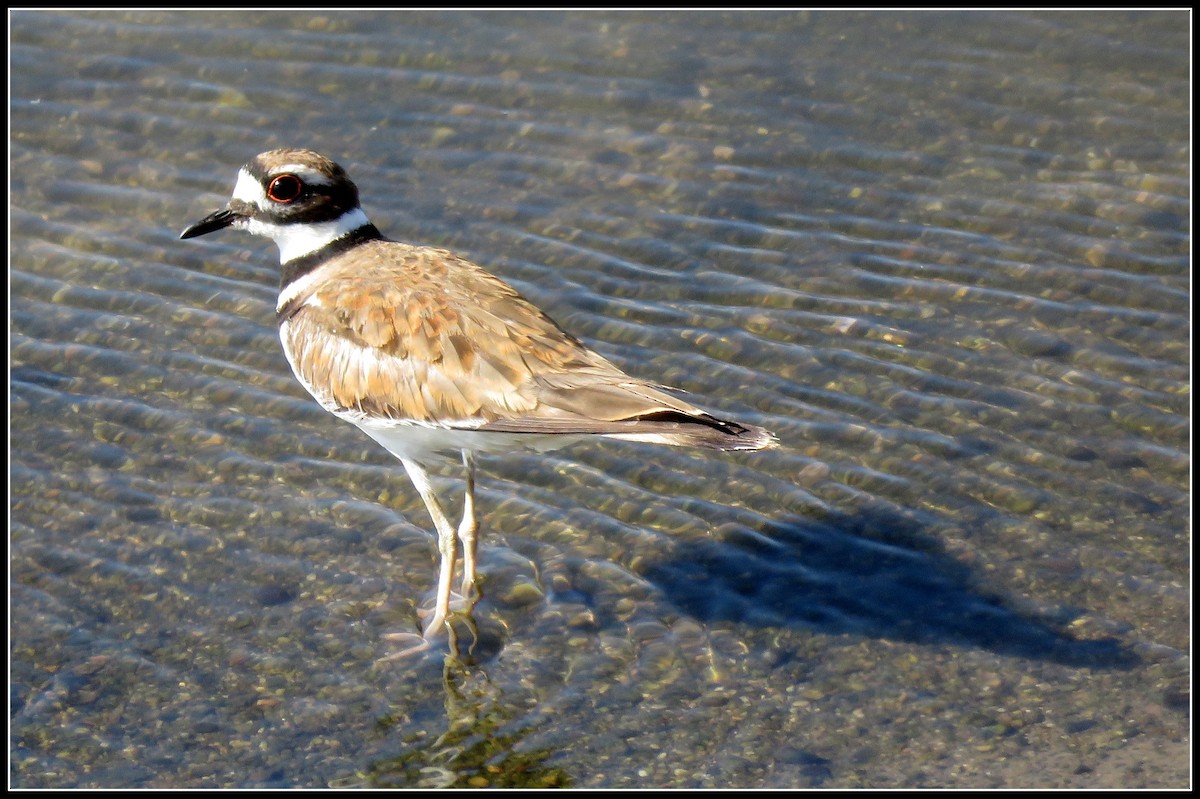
x=446, y=547
x=468, y=527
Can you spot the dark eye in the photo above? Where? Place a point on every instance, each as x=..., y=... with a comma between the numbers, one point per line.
x=285, y=188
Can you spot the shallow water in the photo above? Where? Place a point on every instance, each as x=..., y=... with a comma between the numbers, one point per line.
x=945, y=257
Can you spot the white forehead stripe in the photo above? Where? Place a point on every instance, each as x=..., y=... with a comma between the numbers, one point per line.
x=248, y=190
x=299, y=239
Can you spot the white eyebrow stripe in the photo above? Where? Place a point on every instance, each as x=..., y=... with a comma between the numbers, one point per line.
x=306, y=173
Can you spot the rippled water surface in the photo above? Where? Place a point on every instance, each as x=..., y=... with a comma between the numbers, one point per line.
x=945, y=257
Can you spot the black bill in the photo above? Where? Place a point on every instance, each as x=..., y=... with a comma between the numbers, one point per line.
x=214, y=221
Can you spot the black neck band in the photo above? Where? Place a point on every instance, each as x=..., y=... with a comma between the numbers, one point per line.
x=299, y=267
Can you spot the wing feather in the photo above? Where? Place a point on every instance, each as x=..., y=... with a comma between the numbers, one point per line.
x=416, y=334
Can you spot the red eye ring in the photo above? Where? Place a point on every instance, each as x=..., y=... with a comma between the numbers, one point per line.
x=285, y=189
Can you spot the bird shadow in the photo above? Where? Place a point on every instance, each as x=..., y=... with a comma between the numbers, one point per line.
x=875, y=574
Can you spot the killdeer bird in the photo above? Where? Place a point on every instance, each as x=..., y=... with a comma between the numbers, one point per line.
x=432, y=356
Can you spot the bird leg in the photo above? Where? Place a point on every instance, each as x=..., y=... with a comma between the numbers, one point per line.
x=469, y=526
x=446, y=545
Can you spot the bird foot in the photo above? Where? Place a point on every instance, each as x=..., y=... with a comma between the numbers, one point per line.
x=409, y=644
x=458, y=603
x=436, y=625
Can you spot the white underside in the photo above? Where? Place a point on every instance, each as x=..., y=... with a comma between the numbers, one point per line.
x=421, y=443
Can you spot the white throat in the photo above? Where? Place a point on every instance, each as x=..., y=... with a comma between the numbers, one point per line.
x=297, y=239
